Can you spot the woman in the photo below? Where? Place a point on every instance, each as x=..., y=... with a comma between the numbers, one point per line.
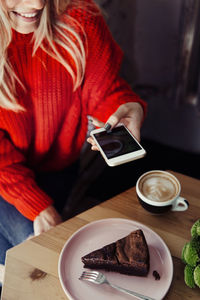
x=58, y=65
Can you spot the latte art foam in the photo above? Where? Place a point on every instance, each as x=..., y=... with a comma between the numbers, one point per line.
x=158, y=188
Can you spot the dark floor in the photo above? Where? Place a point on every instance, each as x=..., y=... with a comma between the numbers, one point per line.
x=117, y=179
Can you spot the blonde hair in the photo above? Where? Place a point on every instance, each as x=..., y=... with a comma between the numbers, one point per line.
x=52, y=30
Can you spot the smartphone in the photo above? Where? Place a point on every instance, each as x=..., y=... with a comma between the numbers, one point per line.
x=117, y=146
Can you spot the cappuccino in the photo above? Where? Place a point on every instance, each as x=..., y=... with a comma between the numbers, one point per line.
x=159, y=192
x=158, y=187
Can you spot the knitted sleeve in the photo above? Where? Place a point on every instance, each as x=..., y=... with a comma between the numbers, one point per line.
x=17, y=184
x=103, y=89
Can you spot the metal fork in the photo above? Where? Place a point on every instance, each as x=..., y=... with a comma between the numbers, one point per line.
x=99, y=278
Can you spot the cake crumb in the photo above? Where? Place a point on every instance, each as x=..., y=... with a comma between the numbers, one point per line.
x=156, y=275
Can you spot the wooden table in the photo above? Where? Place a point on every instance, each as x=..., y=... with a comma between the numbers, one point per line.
x=31, y=267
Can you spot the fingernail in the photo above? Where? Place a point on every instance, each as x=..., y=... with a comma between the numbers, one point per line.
x=107, y=127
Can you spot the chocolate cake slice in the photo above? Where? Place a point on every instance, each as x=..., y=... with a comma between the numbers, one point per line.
x=129, y=255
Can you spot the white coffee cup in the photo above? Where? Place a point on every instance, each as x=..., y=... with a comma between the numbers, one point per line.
x=159, y=191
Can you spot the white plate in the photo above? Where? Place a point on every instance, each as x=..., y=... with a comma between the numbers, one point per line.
x=96, y=235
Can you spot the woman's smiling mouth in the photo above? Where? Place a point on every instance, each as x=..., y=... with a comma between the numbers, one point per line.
x=27, y=17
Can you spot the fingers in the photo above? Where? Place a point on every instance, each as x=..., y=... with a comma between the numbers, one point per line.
x=136, y=133
x=131, y=115
x=122, y=112
x=133, y=126
x=113, y=120
x=92, y=142
x=96, y=122
x=47, y=219
x=108, y=126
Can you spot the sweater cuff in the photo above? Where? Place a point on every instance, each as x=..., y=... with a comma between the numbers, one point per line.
x=28, y=199
x=35, y=203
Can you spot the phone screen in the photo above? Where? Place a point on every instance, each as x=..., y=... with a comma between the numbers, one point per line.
x=117, y=142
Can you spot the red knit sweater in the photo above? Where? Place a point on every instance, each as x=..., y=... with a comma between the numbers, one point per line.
x=50, y=133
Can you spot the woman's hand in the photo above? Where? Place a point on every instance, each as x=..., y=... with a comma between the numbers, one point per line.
x=47, y=219
x=130, y=114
